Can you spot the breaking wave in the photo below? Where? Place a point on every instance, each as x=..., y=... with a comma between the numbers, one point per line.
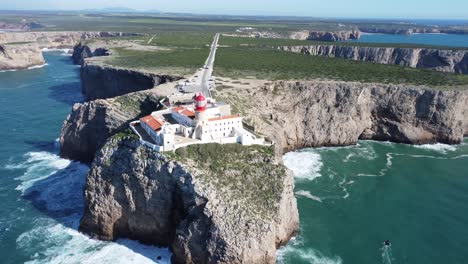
x=442, y=148
x=55, y=187
x=308, y=255
x=305, y=164
x=37, y=66
x=307, y=194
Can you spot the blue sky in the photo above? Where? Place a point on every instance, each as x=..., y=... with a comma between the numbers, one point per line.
x=429, y=9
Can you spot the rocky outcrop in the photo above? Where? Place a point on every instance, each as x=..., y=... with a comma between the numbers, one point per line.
x=20, y=56
x=411, y=31
x=23, y=26
x=208, y=203
x=82, y=51
x=326, y=35
x=435, y=59
x=313, y=114
x=100, y=82
x=90, y=124
x=21, y=50
x=57, y=40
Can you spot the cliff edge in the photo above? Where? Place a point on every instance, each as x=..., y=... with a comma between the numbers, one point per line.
x=327, y=113
x=455, y=61
x=208, y=203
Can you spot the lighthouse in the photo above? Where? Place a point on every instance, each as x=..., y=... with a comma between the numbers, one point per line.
x=200, y=108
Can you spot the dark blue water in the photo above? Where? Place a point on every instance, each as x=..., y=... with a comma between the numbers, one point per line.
x=451, y=40
x=42, y=194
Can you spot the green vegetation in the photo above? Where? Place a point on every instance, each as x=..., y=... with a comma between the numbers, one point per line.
x=126, y=134
x=246, y=174
x=181, y=61
x=139, y=104
x=274, y=42
x=272, y=64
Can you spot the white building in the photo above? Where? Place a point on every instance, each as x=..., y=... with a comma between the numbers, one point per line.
x=200, y=123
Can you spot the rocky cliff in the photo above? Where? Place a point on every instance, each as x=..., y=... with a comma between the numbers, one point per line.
x=318, y=113
x=82, y=51
x=21, y=50
x=56, y=39
x=90, y=124
x=326, y=35
x=20, y=56
x=208, y=203
x=440, y=60
x=100, y=82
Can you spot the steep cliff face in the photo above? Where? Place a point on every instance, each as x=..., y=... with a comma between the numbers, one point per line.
x=439, y=60
x=326, y=36
x=216, y=204
x=20, y=56
x=82, y=51
x=21, y=50
x=53, y=39
x=100, y=82
x=90, y=124
x=313, y=114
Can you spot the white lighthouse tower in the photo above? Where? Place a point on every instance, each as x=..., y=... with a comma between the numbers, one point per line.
x=201, y=119
x=200, y=108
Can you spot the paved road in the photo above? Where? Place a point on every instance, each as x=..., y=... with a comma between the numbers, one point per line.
x=201, y=82
x=208, y=69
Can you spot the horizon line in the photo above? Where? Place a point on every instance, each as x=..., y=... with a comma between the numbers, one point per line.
x=153, y=11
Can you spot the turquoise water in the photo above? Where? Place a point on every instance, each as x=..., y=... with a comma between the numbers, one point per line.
x=428, y=39
x=352, y=199
x=41, y=194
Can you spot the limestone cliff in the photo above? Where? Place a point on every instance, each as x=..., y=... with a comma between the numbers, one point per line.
x=100, y=82
x=21, y=50
x=326, y=35
x=20, y=56
x=82, y=51
x=208, y=203
x=56, y=39
x=440, y=60
x=318, y=113
x=90, y=124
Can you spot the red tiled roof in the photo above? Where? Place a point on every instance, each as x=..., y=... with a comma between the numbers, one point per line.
x=152, y=122
x=184, y=111
x=223, y=117
x=187, y=113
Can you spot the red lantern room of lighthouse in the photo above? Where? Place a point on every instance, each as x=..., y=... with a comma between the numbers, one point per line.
x=200, y=103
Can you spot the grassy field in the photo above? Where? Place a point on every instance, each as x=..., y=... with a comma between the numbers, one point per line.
x=167, y=52
x=271, y=64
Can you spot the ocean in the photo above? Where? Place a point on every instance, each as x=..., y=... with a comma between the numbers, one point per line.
x=42, y=194
x=350, y=199
x=449, y=40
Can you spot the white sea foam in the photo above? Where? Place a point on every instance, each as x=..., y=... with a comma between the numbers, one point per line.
x=37, y=166
x=56, y=186
x=54, y=243
x=441, y=148
x=38, y=66
x=309, y=255
x=304, y=164
x=307, y=194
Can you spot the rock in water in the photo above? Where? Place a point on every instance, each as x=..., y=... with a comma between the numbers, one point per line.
x=209, y=203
